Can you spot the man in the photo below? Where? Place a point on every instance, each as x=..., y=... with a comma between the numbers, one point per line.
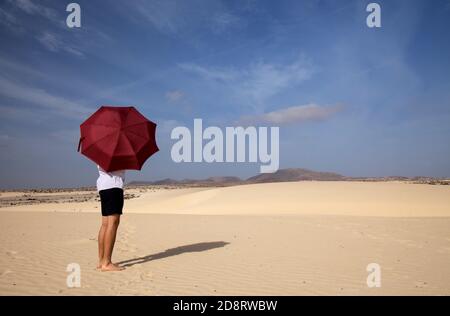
x=110, y=189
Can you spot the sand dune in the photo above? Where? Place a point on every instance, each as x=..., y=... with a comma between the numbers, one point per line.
x=262, y=239
x=392, y=199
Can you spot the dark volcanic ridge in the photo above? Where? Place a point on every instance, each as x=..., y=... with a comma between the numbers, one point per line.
x=284, y=175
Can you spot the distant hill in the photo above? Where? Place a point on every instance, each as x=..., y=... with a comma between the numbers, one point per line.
x=295, y=174
x=213, y=181
x=223, y=179
x=282, y=175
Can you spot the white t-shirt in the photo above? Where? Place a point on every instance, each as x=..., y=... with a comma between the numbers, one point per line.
x=109, y=180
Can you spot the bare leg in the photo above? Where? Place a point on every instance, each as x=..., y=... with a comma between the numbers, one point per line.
x=109, y=240
x=101, y=241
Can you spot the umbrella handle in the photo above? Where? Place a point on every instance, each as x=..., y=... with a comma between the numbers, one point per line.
x=79, y=143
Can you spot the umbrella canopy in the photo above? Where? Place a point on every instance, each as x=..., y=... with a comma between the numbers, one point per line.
x=118, y=138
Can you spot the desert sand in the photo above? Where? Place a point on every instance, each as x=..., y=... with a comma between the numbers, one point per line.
x=297, y=238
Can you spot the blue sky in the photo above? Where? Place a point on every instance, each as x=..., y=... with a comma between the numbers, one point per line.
x=368, y=102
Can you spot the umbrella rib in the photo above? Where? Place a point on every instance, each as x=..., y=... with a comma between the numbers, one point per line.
x=129, y=143
x=137, y=134
x=112, y=156
x=126, y=118
x=97, y=140
x=100, y=124
x=134, y=124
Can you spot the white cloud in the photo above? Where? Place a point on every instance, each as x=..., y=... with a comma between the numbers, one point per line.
x=265, y=80
x=211, y=73
x=9, y=66
x=256, y=83
x=173, y=16
x=293, y=114
x=49, y=41
x=43, y=99
x=223, y=21
x=88, y=38
x=174, y=96
x=10, y=21
x=161, y=14
x=73, y=51
x=34, y=8
x=26, y=5
x=53, y=43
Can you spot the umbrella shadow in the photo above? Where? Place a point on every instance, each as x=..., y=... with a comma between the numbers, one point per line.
x=198, y=247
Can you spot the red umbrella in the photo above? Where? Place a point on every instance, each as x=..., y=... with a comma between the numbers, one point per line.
x=118, y=138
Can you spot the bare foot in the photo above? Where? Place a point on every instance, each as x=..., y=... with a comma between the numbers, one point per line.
x=111, y=267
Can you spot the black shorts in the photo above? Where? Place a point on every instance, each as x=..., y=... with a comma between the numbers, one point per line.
x=112, y=201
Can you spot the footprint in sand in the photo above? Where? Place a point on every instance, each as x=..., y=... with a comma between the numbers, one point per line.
x=123, y=244
x=6, y=272
x=444, y=250
x=14, y=254
x=145, y=276
x=420, y=284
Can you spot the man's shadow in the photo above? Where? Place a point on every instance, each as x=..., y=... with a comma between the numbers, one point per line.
x=203, y=246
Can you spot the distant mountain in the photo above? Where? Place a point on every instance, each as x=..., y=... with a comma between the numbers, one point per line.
x=212, y=181
x=282, y=175
x=223, y=180
x=295, y=174
x=166, y=181
x=218, y=181
x=285, y=175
